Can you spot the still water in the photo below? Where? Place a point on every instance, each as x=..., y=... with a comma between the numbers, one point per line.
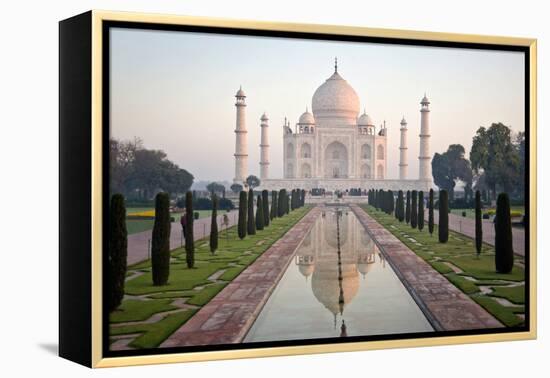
x=337, y=285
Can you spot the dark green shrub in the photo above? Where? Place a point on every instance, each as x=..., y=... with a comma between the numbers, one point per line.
x=414, y=209
x=274, y=201
x=401, y=206
x=479, y=223
x=443, y=228
x=431, y=212
x=259, y=214
x=214, y=225
x=241, y=227
x=265, y=204
x=504, y=251
x=196, y=215
x=391, y=204
x=281, y=208
x=464, y=214
x=251, y=224
x=420, y=210
x=160, y=243
x=118, y=251
x=408, y=207
x=190, y=237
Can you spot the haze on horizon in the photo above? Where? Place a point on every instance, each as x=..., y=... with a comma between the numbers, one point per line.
x=175, y=91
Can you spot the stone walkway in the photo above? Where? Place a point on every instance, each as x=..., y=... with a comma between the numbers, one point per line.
x=445, y=306
x=138, y=244
x=229, y=315
x=467, y=226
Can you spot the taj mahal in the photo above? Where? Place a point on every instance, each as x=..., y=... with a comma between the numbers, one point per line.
x=333, y=147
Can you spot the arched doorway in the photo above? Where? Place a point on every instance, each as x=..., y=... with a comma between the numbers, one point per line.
x=336, y=161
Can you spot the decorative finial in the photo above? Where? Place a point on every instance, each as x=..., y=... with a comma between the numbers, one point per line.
x=335, y=64
x=307, y=109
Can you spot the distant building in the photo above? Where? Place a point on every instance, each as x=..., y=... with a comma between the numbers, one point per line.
x=334, y=147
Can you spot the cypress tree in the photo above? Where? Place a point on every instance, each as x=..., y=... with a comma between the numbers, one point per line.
x=190, y=237
x=259, y=214
x=431, y=212
x=401, y=208
x=265, y=204
x=287, y=203
x=251, y=224
x=375, y=199
x=479, y=224
x=504, y=252
x=274, y=201
x=118, y=251
x=160, y=243
x=414, y=209
x=214, y=225
x=281, y=210
x=303, y=197
x=420, y=210
x=391, y=204
x=408, y=207
x=242, y=214
x=443, y=228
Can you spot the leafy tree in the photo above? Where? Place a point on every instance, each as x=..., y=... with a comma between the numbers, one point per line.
x=241, y=228
x=138, y=173
x=265, y=204
x=420, y=210
x=431, y=212
x=494, y=155
x=479, y=224
x=252, y=181
x=214, y=225
x=190, y=237
x=451, y=166
x=251, y=224
x=118, y=251
x=408, y=207
x=443, y=216
x=504, y=252
x=259, y=214
x=215, y=188
x=414, y=209
x=236, y=188
x=160, y=243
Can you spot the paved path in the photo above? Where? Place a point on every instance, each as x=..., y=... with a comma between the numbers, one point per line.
x=445, y=306
x=467, y=226
x=138, y=244
x=229, y=315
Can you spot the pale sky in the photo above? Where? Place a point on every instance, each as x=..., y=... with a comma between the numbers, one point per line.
x=175, y=91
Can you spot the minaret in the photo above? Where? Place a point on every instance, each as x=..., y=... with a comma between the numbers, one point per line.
x=425, y=169
x=241, y=141
x=403, y=151
x=264, y=148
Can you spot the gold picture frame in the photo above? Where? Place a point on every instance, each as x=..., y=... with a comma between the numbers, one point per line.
x=92, y=24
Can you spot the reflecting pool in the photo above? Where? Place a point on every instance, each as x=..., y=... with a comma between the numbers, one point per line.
x=337, y=285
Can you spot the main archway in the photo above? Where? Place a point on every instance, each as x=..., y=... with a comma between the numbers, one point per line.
x=336, y=161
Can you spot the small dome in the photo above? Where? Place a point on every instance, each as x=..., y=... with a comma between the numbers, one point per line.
x=264, y=117
x=306, y=269
x=240, y=93
x=403, y=121
x=365, y=120
x=306, y=118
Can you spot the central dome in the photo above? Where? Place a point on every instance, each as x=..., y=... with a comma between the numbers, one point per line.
x=335, y=98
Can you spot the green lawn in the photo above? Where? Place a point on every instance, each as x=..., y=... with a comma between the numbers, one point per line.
x=196, y=285
x=460, y=252
x=135, y=226
x=470, y=213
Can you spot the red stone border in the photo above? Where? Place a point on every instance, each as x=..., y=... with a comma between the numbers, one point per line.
x=445, y=306
x=229, y=315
